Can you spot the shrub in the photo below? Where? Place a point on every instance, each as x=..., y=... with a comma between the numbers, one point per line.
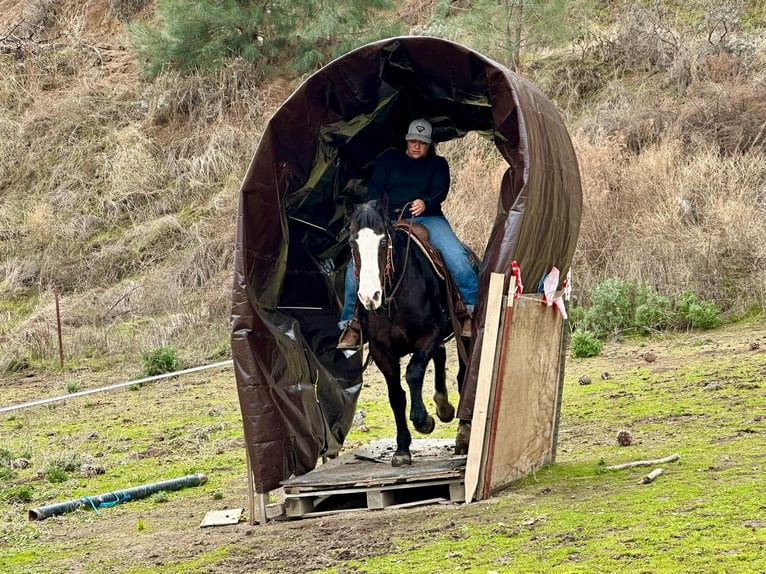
x=56, y=474
x=160, y=360
x=584, y=344
x=691, y=312
x=653, y=313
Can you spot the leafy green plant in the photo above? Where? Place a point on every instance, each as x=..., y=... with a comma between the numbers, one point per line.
x=56, y=474
x=72, y=387
x=584, y=344
x=159, y=497
x=653, y=312
x=618, y=305
x=160, y=360
x=17, y=494
x=694, y=313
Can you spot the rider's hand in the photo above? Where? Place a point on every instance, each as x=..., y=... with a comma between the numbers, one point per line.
x=418, y=207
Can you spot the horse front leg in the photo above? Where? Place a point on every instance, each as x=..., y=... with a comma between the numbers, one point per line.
x=444, y=409
x=463, y=437
x=397, y=398
x=416, y=370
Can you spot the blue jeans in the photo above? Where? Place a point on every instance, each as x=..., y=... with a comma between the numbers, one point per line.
x=455, y=258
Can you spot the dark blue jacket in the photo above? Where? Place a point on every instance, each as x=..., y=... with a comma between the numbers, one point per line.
x=405, y=179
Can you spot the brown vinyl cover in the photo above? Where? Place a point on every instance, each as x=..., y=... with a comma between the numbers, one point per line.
x=297, y=393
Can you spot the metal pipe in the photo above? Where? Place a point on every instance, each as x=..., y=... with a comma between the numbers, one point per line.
x=115, y=386
x=117, y=497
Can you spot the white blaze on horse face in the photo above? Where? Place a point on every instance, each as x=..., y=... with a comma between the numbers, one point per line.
x=370, y=289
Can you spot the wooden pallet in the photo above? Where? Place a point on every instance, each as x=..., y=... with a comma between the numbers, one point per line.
x=365, y=480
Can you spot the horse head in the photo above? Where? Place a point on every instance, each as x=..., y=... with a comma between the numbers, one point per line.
x=370, y=235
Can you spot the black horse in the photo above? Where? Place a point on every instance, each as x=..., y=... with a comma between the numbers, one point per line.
x=402, y=311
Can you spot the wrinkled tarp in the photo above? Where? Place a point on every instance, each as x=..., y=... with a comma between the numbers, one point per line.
x=297, y=393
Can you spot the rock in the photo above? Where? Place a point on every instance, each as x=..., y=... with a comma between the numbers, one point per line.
x=624, y=438
x=605, y=376
x=754, y=345
x=20, y=463
x=91, y=470
x=359, y=417
x=584, y=380
x=650, y=357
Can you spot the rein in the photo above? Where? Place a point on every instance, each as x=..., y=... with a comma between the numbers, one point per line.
x=388, y=273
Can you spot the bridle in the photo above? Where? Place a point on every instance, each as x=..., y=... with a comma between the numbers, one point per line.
x=388, y=269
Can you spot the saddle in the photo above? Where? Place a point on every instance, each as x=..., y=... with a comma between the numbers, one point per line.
x=419, y=236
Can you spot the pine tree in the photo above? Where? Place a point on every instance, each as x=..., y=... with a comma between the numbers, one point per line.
x=305, y=34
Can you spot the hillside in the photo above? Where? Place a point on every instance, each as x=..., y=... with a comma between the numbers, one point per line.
x=123, y=193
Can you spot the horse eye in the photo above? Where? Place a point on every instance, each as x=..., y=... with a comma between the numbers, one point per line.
x=383, y=241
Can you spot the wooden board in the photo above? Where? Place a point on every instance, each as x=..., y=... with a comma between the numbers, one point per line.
x=484, y=386
x=369, y=466
x=522, y=429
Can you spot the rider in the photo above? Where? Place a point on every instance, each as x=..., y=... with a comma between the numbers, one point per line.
x=416, y=182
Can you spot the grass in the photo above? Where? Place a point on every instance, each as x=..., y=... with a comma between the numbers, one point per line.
x=701, y=398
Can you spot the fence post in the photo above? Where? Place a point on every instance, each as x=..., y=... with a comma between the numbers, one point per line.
x=58, y=327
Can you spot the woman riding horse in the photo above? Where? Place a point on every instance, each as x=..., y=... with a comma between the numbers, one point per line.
x=415, y=183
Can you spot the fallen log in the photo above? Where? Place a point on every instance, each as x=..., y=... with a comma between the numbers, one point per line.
x=647, y=478
x=670, y=458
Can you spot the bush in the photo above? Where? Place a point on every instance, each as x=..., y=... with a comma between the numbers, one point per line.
x=56, y=474
x=624, y=304
x=160, y=360
x=696, y=314
x=584, y=344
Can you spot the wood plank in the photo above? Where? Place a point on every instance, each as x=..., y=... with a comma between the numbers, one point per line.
x=350, y=471
x=306, y=504
x=526, y=417
x=484, y=385
x=416, y=503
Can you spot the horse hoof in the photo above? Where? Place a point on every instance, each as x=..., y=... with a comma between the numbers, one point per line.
x=401, y=459
x=428, y=425
x=463, y=438
x=446, y=414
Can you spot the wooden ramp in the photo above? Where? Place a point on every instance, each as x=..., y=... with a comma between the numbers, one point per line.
x=365, y=480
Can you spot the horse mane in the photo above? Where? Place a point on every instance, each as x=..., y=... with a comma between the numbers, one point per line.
x=370, y=214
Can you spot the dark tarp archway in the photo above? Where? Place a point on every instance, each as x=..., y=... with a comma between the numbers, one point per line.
x=297, y=394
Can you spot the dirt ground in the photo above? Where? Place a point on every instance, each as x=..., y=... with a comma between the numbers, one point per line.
x=170, y=534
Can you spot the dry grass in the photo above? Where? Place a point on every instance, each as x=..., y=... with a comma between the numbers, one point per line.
x=125, y=193
x=476, y=169
x=675, y=220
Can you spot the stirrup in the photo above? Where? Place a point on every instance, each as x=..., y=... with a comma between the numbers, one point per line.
x=349, y=339
x=467, y=329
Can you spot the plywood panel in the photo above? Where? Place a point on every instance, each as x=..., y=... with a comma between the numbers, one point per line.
x=521, y=428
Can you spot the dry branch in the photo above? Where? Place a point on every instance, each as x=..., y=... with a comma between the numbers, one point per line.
x=670, y=458
x=647, y=478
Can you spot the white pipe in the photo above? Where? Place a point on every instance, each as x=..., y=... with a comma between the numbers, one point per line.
x=115, y=386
